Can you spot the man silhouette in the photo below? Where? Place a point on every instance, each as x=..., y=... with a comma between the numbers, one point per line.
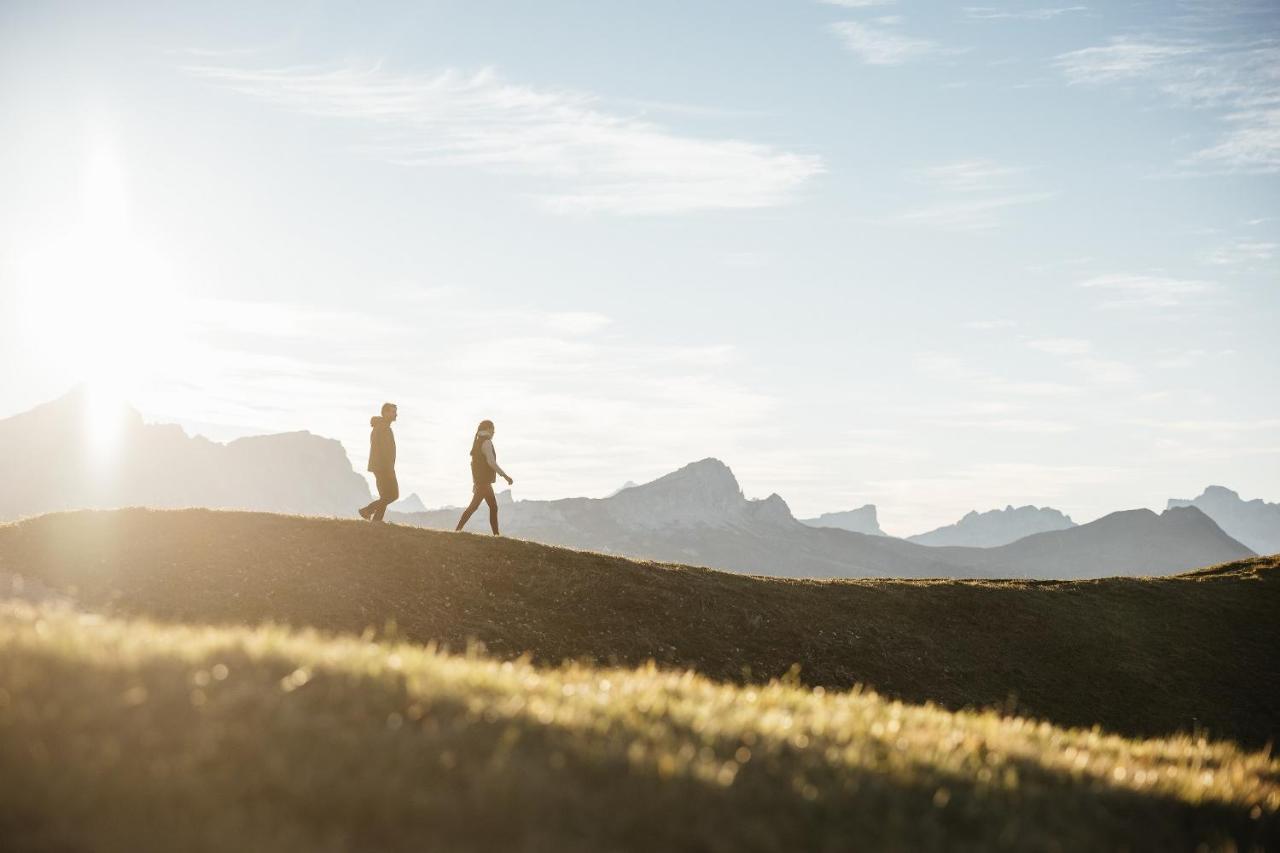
x=382, y=463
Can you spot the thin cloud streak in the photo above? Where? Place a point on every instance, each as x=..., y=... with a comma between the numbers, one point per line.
x=970, y=214
x=973, y=195
x=1239, y=79
x=882, y=46
x=441, y=359
x=592, y=160
x=1243, y=253
x=858, y=4
x=970, y=175
x=1147, y=291
x=991, y=13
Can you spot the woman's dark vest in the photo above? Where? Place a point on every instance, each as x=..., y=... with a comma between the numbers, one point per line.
x=480, y=470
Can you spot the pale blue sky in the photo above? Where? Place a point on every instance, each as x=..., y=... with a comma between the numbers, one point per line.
x=931, y=256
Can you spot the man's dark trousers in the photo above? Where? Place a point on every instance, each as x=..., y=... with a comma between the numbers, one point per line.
x=388, y=493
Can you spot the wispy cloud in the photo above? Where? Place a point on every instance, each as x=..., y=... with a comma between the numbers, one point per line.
x=1123, y=57
x=971, y=214
x=1221, y=428
x=1078, y=355
x=1020, y=425
x=970, y=175
x=857, y=4
x=978, y=382
x=973, y=195
x=586, y=158
x=1147, y=291
x=548, y=377
x=882, y=45
x=1238, y=79
x=1047, y=13
x=1242, y=253
x=1061, y=346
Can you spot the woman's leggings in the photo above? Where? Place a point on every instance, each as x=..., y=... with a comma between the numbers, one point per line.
x=483, y=492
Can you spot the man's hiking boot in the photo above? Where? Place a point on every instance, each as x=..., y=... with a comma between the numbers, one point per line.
x=365, y=513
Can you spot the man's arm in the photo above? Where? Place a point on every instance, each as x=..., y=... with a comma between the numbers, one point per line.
x=492, y=459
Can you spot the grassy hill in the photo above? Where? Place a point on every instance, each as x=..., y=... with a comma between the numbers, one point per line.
x=123, y=735
x=1140, y=657
x=175, y=717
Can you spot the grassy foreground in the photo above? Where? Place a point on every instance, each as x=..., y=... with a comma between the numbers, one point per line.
x=127, y=735
x=1138, y=656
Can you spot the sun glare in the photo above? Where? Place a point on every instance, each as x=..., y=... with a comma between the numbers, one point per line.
x=96, y=302
x=105, y=418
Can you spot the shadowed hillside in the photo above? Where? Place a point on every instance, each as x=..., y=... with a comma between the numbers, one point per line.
x=1138, y=656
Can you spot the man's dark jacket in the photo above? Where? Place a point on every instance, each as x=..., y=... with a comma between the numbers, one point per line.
x=382, y=446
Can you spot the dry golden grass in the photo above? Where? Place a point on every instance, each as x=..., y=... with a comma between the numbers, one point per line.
x=121, y=734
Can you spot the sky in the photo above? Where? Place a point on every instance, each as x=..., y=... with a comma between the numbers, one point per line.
x=930, y=256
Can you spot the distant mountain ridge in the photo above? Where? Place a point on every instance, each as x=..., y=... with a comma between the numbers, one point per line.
x=47, y=463
x=1254, y=523
x=996, y=527
x=860, y=520
x=1136, y=541
x=412, y=503
x=698, y=514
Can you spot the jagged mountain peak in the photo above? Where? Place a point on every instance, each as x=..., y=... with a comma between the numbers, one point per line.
x=701, y=493
x=1254, y=523
x=771, y=509
x=1220, y=491
x=996, y=527
x=707, y=478
x=861, y=520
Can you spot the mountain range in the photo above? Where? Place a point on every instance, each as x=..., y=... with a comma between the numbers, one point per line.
x=1254, y=523
x=860, y=520
x=50, y=460
x=697, y=514
x=996, y=527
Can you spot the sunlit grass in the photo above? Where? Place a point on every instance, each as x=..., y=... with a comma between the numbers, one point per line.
x=122, y=732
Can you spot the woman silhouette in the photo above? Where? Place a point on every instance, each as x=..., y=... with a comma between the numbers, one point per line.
x=484, y=473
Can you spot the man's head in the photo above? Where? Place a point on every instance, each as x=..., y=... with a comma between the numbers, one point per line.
x=389, y=412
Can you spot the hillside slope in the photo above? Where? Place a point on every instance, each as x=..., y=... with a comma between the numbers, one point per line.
x=122, y=735
x=1138, y=656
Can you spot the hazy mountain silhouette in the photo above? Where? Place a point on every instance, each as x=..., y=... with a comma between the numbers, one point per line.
x=1137, y=542
x=413, y=503
x=627, y=485
x=47, y=463
x=860, y=520
x=698, y=514
x=996, y=527
x=1254, y=523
